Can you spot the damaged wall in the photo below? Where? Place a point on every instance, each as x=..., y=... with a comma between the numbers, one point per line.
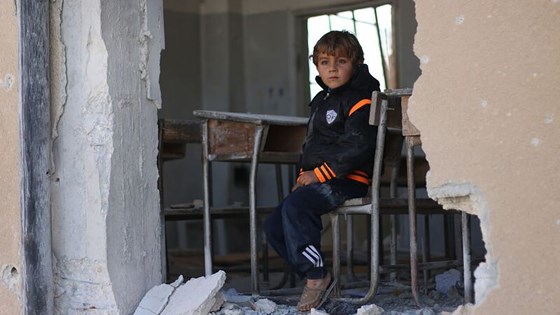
x=105, y=94
x=10, y=213
x=487, y=105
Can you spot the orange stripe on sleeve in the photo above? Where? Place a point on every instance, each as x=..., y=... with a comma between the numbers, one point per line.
x=333, y=174
x=319, y=175
x=358, y=178
x=325, y=172
x=359, y=105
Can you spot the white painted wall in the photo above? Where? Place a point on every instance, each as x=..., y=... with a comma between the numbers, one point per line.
x=106, y=229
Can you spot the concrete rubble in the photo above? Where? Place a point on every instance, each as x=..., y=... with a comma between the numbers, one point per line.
x=318, y=312
x=198, y=296
x=447, y=280
x=205, y=295
x=265, y=306
x=371, y=309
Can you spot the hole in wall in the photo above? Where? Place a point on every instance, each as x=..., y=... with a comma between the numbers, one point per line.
x=10, y=277
x=469, y=199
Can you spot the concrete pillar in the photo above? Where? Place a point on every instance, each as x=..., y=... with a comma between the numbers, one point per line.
x=105, y=92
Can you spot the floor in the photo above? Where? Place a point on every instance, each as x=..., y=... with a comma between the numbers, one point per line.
x=394, y=298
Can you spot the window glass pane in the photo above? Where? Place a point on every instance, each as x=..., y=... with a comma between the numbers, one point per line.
x=341, y=24
x=316, y=27
x=367, y=36
x=366, y=15
x=384, y=16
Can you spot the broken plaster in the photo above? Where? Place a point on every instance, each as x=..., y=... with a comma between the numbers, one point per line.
x=58, y=67
x=10, y=278
x=8, y=82
x=467, y=197
x=58, y=74
x=151, y=44
x=198, y=296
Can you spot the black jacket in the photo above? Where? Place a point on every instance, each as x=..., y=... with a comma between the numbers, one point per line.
x=340, y=142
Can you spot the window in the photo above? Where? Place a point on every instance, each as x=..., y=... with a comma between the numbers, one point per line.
x=372, y=27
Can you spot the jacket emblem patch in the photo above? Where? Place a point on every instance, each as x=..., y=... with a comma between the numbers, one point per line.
x=331, y=116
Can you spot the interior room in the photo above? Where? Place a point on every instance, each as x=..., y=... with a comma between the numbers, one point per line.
x=252, y=57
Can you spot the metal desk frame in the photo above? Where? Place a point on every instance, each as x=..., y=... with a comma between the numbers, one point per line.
x=222, y=140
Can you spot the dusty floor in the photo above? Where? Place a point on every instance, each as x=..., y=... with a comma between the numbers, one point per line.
x=393, y=298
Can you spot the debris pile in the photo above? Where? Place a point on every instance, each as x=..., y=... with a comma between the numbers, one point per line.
x=204, y=295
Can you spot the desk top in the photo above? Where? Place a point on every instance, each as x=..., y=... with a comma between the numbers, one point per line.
x=257, y=119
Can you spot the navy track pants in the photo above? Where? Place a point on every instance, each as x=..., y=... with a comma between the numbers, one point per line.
x=293, y=229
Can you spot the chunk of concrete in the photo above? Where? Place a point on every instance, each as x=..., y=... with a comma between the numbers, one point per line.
x=447, y=280
x=370, y=309
x=318, y=312
x=196, y=297
x=265, y=306
x=155, y=300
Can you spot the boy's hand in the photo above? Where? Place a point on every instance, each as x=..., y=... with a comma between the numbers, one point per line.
x=307, y=178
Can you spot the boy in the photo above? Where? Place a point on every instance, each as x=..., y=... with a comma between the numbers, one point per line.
x=336, y=163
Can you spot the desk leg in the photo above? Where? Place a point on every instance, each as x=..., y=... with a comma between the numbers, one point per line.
x=253, y=209
x=410, y=143
x=207, y=219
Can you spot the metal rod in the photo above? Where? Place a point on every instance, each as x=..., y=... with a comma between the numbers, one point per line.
x=207, y=219
x=350, y=248
x=393, y=246
x=426, y=248
x=336, y=251
x=412, y=218
x=466, y=258
x=253, y=209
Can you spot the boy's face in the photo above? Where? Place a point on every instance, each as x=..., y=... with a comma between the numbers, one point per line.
x=335, y=71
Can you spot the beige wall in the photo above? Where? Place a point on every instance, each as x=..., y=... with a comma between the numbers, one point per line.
x=488, y=106
x=9, y=175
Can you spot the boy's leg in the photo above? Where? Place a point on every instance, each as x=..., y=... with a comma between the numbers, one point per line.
x=275, y=234
x=301, y=219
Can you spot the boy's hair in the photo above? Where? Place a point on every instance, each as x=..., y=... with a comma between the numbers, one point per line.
x=342, y=43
